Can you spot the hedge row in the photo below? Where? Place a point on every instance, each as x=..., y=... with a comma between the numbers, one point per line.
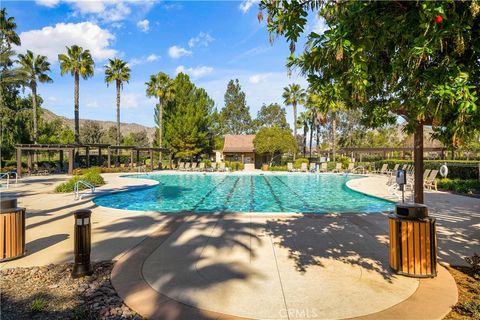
x=460, y=186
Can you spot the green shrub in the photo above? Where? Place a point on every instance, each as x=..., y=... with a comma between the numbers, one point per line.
x=37, y=305
x=207, y=162
x=460, y=186
x=344, y=160
x=234, y=165
x=91, y=175
x=469, y=308
x=298, y=162
x=278, y=168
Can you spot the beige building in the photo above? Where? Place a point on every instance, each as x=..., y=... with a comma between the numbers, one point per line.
x=240, y=148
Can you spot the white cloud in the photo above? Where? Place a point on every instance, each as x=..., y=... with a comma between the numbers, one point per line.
x=259, y=77
x=93, y=104
x=196, y=72
x=105, y=10
x=136, y=61
x=177, y=52
x=131, y=100
x=143, y=25
x=247, y=4
x=320, y=25
x=203, y=39
x=50, y=41
x=152, y=57
x=47, y=3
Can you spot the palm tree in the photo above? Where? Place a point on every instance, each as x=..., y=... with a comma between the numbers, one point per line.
x=34, y=69
x=303, y=122
x=294, y=95
x=117, y=70
x=161, y=87
x=77, y=62
x=8, y=36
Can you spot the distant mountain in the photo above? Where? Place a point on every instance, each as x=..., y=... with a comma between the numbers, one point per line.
x=125, y=128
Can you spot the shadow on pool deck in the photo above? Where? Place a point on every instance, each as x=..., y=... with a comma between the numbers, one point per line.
x=308, y=239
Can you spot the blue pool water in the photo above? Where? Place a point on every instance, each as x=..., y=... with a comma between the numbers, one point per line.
x=246, y=193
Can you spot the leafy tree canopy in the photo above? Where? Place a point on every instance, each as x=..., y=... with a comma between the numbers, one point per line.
x=274, y=140
x=91, y=132
x=271, y=115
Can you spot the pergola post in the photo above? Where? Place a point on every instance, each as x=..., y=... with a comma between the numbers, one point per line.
x=61, y=160
x=29, y=161
x=138, y=157
x=70, y=160
x=87, y=155
x=151, y=159
x=19, y=161
x=100, y=162
x=131, y=158
x=109, y=157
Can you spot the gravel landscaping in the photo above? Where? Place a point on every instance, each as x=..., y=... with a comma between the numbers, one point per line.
x=49, y=292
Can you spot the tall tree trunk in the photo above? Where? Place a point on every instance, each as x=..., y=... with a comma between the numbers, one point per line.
x=312, y=125
x=118, y=113
x=334, y=135
x=160, y=132
x=77, y=117
x=295, y=128
x=35, y=116
x=318, y=141
x=305, y=132
x=418, y=160
x=453, y=152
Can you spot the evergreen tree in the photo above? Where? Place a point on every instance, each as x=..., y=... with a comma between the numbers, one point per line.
x=235, y=116
x=188, y=124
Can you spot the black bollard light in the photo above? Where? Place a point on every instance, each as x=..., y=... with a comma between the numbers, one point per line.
x=82, y=244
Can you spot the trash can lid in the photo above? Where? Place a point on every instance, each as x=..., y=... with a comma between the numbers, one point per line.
x=8, y=203
x=82, y=213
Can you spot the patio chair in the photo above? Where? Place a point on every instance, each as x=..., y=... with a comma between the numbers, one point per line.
x=194, y=166
x=338, y=168
x=181, y=166
x=350, y=167
x=431, y=181
x=187, y=166
x=303, y=167
x=221, y=167
x=323, y=167
x=213, y=166
x=201, y=167
x=394, y=170
x=290, y=167
x=313, y=167
x=382, y=170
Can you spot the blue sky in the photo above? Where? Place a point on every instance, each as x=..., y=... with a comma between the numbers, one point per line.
x=212, y=41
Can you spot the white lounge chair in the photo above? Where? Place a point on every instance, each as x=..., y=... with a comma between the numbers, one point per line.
x=313, y=167
x=431, y=181
x=338, y=168
x=382, y=170
x=323, y=167
x=290, y=167
x=303, y=167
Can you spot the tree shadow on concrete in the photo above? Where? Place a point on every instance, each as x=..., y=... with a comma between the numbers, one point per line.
x=349, y=238
x=182, y=266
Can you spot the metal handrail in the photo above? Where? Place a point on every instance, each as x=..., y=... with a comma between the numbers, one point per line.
x=16, y=176
x=356, y=168
x=142, y=169
x=6, y=174
x=86, y=184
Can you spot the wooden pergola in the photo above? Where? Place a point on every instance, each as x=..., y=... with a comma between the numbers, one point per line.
x=70, y=148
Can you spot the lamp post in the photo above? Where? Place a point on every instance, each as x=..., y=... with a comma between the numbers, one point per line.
x=82, y=243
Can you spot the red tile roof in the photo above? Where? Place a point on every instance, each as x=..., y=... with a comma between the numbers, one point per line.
x=239, y=143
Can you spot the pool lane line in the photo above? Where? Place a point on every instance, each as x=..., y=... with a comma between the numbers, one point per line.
x=230, y=194
x=305, y=203
x=208, y=193
x=252, y=195
x=273, y=194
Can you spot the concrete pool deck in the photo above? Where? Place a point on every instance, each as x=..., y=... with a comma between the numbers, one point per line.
x=250, y=265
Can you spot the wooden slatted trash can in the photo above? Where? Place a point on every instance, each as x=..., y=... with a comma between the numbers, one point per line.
x=413, y=241
x=12, y=230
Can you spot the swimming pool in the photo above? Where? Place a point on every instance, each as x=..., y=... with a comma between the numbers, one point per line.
x=312, y=193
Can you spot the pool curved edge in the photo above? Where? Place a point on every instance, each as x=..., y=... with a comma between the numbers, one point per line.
x=349, y=185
